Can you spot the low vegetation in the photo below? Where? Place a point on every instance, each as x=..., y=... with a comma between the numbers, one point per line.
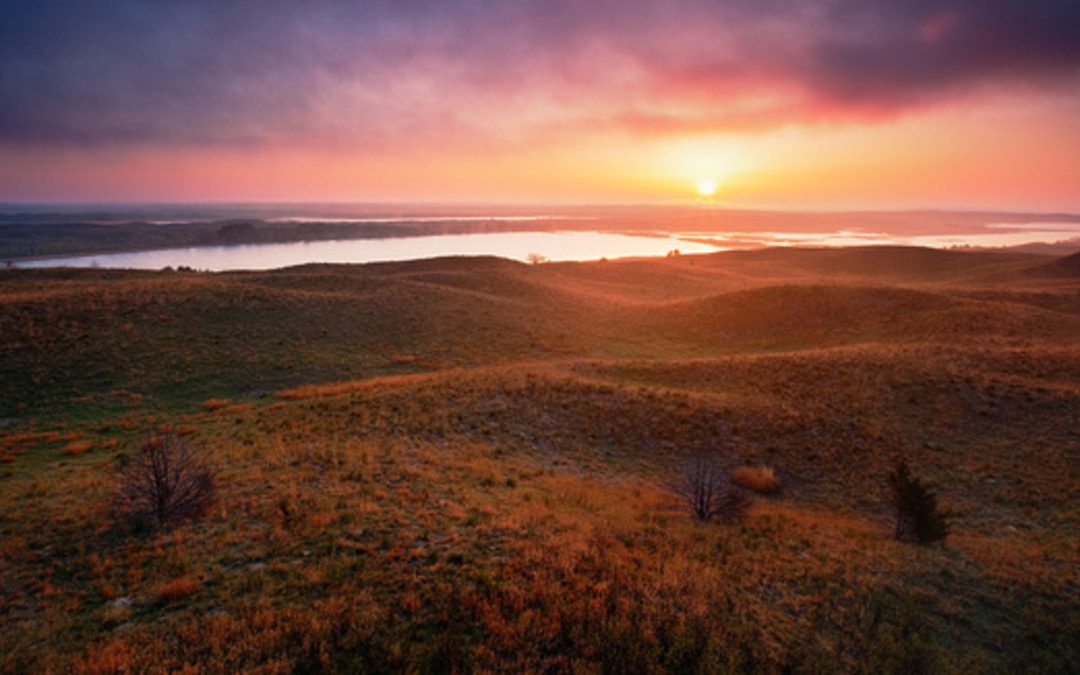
x=918, y=517
x=165, y=483
x=703, y=489
x=759, y=479
x=499, y=500
x=177, y=589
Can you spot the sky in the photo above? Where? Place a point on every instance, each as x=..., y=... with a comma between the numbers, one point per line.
x=786, y=104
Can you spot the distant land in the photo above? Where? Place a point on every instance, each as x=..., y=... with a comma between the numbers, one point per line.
x=41, y=231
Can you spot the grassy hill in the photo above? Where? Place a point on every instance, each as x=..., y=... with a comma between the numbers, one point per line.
x=459, y=465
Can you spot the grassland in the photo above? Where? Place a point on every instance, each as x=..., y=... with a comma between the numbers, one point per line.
x=458, y=465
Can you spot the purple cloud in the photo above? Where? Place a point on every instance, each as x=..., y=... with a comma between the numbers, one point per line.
x=116, y=72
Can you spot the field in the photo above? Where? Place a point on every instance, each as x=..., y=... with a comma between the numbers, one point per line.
x=460, y=465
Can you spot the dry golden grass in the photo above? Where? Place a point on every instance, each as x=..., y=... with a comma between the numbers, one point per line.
x=78, y=447
x=759, y=479
x=114, y=656
x=579, y=555
x=506, y=512
x=215, y=404
x=177, y=589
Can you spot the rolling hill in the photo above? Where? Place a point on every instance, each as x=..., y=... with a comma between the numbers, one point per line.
x=459, y=465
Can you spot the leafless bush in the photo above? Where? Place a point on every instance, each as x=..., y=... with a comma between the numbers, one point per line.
x=702, y=486
x=166, y=483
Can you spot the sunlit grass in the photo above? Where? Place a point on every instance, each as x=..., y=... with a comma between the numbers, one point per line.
x=510, y=514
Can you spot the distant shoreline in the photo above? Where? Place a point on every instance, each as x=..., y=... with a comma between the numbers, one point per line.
x=98, y=233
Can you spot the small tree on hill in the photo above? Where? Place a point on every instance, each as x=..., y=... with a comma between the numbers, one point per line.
x=166, y=483
x=703, y=487
x=918, y=517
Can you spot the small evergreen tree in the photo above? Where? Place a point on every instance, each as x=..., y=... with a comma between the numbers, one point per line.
x=918, y=518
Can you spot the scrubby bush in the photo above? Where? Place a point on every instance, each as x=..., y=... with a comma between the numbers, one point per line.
x=166, y=483
x=918, y=517
x=177, y=589
x=760, y=479
x=702, y=487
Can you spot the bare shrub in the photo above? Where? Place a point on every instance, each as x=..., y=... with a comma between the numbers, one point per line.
x=703, y=488
x=166, y=483
x=759, y=479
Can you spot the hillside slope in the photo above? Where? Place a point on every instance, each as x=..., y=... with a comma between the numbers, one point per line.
x=464, y=465
x=177, y=336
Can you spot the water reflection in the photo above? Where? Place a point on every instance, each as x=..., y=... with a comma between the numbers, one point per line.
x=556, y=246
x=993, y=236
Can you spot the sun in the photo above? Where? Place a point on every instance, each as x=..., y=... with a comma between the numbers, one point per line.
x=706, y=187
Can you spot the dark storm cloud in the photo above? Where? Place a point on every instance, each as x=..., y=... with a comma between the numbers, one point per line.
x=896, y=53
x=120, y=72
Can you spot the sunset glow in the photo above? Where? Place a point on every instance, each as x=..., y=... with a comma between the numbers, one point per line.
x=825, y=104
x=539, y=336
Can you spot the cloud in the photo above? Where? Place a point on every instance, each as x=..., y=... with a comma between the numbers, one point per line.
x=373, y=74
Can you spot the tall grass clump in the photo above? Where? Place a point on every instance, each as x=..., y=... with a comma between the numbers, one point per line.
x=759, y=479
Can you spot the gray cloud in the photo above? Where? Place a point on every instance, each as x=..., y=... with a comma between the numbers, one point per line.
x=119, y=72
